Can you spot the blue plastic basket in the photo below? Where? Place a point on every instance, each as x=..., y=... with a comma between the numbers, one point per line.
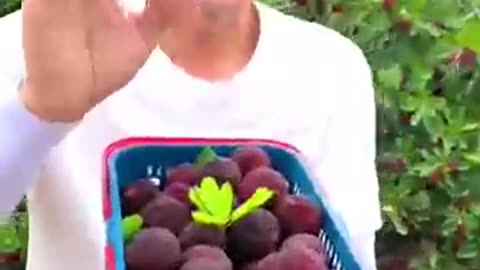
x=136, y=158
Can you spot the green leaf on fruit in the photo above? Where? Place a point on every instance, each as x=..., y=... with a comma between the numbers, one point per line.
x=214, y=202
x=206, y=155
x=217, y=200
x=194, y=197
x=258, y=199
x=130, y=226
x=206, y=218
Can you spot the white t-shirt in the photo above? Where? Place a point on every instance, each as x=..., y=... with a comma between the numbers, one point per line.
x=306, y=85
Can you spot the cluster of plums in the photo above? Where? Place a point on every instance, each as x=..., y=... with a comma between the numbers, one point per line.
x=282, y=235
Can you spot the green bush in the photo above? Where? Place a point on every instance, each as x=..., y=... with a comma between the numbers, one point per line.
x=423, y=53
x=7, y=6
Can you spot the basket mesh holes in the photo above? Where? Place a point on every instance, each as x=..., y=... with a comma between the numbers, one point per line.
x=156, y=174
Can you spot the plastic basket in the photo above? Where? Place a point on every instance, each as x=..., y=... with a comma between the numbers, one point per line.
x=136, y=158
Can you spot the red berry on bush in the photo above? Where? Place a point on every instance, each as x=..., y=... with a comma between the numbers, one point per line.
x=389, y=4
x=465, y=58
x=437, y=176
x=301, y=2
x=403, y=26
x=338, y=8
x=406, y=118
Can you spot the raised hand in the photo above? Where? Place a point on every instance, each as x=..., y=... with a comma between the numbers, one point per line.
x=78, y=52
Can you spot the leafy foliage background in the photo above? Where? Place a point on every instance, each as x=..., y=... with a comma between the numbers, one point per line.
x=427, y=80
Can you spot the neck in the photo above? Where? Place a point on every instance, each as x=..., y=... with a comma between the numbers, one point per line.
x=214, y=47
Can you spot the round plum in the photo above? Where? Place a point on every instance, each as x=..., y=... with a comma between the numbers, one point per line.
x=137, y=195
x=297, y=214
x=304, y=240
x=179, y=191
x=196, y=234
x=204, y=251
x=153, y=248
x=223, y=170
x=185, y=173
x=263, y=177
x=250, y=157
x=253, y=236
x=166, y=212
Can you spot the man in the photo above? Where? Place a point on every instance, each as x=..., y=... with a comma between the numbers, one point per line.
x=91, y=73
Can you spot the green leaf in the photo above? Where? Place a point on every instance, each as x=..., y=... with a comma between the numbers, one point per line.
x=210, y=196
x=194, y=196
x=473, y=158
x=391, y=77
x=421, y=201
x=205, y=218
x=206, y=155
x=469, y=37
x=469, y=250
x=470, y=127
x=130, y=226
x=257, y=200
x=227, y=197
x=214, y=203
x=396, y=220
x=9, y=241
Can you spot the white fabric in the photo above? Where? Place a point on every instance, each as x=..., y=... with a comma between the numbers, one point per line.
x=306, y=85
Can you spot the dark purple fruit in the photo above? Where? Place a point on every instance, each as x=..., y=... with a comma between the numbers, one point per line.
x=303, y=258
x=303, y=240
x=178, y=191
x=204, y=251
x=197, y=234
x=250, y=157
x=153, y=249
x=137, y=195
x=297, y=214
x=273, y=261
x=166, y=212
x=262, y=177
x=207, y=264
x=223, y=170
x=185, y=173
x=254, y=236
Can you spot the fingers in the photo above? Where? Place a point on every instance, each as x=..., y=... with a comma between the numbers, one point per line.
x=148, y=24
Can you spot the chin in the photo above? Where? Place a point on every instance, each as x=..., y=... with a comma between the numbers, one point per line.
x=223, y=12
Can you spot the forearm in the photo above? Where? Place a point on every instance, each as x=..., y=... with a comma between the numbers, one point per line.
x=25, y=142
